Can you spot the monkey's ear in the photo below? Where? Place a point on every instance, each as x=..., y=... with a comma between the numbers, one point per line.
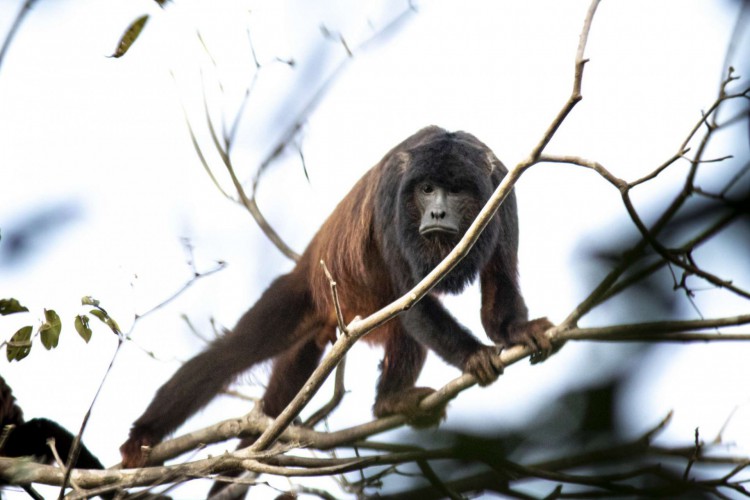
x=492, y=162
x=402, y=158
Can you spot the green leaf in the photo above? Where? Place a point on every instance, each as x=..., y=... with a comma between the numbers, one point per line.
x=130, y=36
x=104, y=318
x=88, y=300
x=99, y=314
x=82, y=327
x=11, y=306
x=50, y=329
x=20, y=344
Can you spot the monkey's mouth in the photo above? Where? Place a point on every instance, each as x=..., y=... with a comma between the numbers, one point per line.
x=437, y=229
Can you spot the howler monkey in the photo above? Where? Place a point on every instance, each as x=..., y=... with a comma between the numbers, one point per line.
x=29, y=438
x=395, y=225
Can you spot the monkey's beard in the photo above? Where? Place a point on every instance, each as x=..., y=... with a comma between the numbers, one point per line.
x=437, y=245
x=425, y=252
x=431, y=250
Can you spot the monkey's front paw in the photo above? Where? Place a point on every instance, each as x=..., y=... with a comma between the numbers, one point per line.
x=532, y=335
x=483, y=366
x=406, y=402
x=132, y=450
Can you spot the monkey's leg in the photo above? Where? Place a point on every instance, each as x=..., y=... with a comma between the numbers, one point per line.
x=290, y=372
x=282, y=315
x=400, y=368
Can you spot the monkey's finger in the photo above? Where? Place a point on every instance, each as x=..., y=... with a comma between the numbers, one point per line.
x=482, y=365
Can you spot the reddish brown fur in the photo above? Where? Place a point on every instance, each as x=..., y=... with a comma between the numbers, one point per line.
x=346, y=242
x=342, y=243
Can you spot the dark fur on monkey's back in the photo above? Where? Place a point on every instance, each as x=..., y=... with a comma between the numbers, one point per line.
x=29, y=438
x=376, y=247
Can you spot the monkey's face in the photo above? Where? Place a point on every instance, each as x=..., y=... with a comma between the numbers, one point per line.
x=438, y=216
x=443, y=189
x=439, y=207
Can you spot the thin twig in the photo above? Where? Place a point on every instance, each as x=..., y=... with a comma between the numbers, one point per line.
x=335, y=294
x=338, y=395
x=322, y=90
x=662, y=331
x=671, y=257
x=604, y=289
x=575, y=95
x=25, y=8
x=220, y=265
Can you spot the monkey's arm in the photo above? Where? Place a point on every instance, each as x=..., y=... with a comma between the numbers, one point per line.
x=429, y=323
x=504, y=314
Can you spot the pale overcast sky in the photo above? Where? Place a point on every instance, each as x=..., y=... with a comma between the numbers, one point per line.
x=104, y=142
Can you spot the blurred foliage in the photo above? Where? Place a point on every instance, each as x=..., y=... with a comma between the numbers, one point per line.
x=31, y=232
x=589, y=453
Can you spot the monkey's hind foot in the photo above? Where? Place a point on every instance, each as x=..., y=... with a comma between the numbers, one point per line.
x=406, y=402
x=135, y=450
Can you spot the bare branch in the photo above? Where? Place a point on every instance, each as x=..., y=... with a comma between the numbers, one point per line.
x=662, y=331
x=317, y=97
x=199, y=151
x=338, y=395
x=335, y=296
x=607, y=287
x=25, y=8
x=575, y=95
x=249, y=204
x=593, y=165
x=671, y=257
x=196, y=276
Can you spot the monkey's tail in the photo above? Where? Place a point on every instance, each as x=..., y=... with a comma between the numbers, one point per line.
x=263, y=331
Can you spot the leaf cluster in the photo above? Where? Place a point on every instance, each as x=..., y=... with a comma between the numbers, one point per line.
x=49, y=329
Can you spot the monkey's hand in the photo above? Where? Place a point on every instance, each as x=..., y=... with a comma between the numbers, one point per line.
x=406, y=402
x=132, y=450
x=532, y=335
x=483, y=366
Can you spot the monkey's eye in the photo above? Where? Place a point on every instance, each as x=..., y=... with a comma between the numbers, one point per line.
x=454, y=190
x=427, y=188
